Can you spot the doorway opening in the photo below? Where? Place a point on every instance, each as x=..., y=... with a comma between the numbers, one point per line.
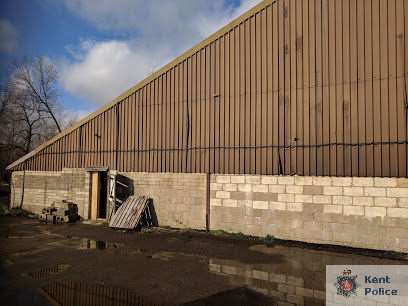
x=98, y=207
x=103, y=194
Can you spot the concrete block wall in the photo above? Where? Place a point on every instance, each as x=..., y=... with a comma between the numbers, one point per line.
x=359, y=212
x=180, y=199
x=42, y=189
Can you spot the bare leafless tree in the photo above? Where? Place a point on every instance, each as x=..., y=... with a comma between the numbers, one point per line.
x=4, y=99
x=9, y=145
x=37, y=79
x=29, y=110
x=30, y=120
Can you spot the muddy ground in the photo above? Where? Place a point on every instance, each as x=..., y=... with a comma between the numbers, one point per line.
x=79, y=264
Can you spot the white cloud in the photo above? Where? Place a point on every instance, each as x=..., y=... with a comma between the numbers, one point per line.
x=107, y=69
x=8, y=37
x=180, y=22
x=155, y=32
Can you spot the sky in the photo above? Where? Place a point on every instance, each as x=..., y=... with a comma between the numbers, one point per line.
x=103, y=47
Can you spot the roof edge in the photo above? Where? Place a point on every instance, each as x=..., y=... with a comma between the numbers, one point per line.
x=228, y=27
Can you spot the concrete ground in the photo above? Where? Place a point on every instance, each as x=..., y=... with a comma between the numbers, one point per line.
x=79, y=264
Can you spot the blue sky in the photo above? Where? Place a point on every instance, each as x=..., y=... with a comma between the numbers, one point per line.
x=103, y=47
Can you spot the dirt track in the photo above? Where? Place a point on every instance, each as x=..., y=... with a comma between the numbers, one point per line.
x=163, y=267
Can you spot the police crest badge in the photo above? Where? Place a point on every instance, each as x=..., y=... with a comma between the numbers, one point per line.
x=346, y=284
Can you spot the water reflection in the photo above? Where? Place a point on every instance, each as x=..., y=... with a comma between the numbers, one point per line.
x=292, y=289
x=297, y=280
x=290, y=282
x=86, y=244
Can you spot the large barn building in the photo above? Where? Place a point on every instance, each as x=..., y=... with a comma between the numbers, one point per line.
x=289, y=121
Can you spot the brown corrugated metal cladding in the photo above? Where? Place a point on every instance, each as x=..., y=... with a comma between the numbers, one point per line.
x=311, y=87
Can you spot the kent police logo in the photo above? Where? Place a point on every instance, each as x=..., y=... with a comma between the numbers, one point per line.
x=346, y=284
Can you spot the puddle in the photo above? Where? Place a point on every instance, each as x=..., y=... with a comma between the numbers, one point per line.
x=69, y=292
x=46, y=273
x=294, y=282
x=269, y=280
x=297, y=279
x=86, y=244
x=294, y=275
x=72, y=242
x=288, y=282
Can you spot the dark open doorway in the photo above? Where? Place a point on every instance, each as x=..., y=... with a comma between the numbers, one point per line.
x=103, y=195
